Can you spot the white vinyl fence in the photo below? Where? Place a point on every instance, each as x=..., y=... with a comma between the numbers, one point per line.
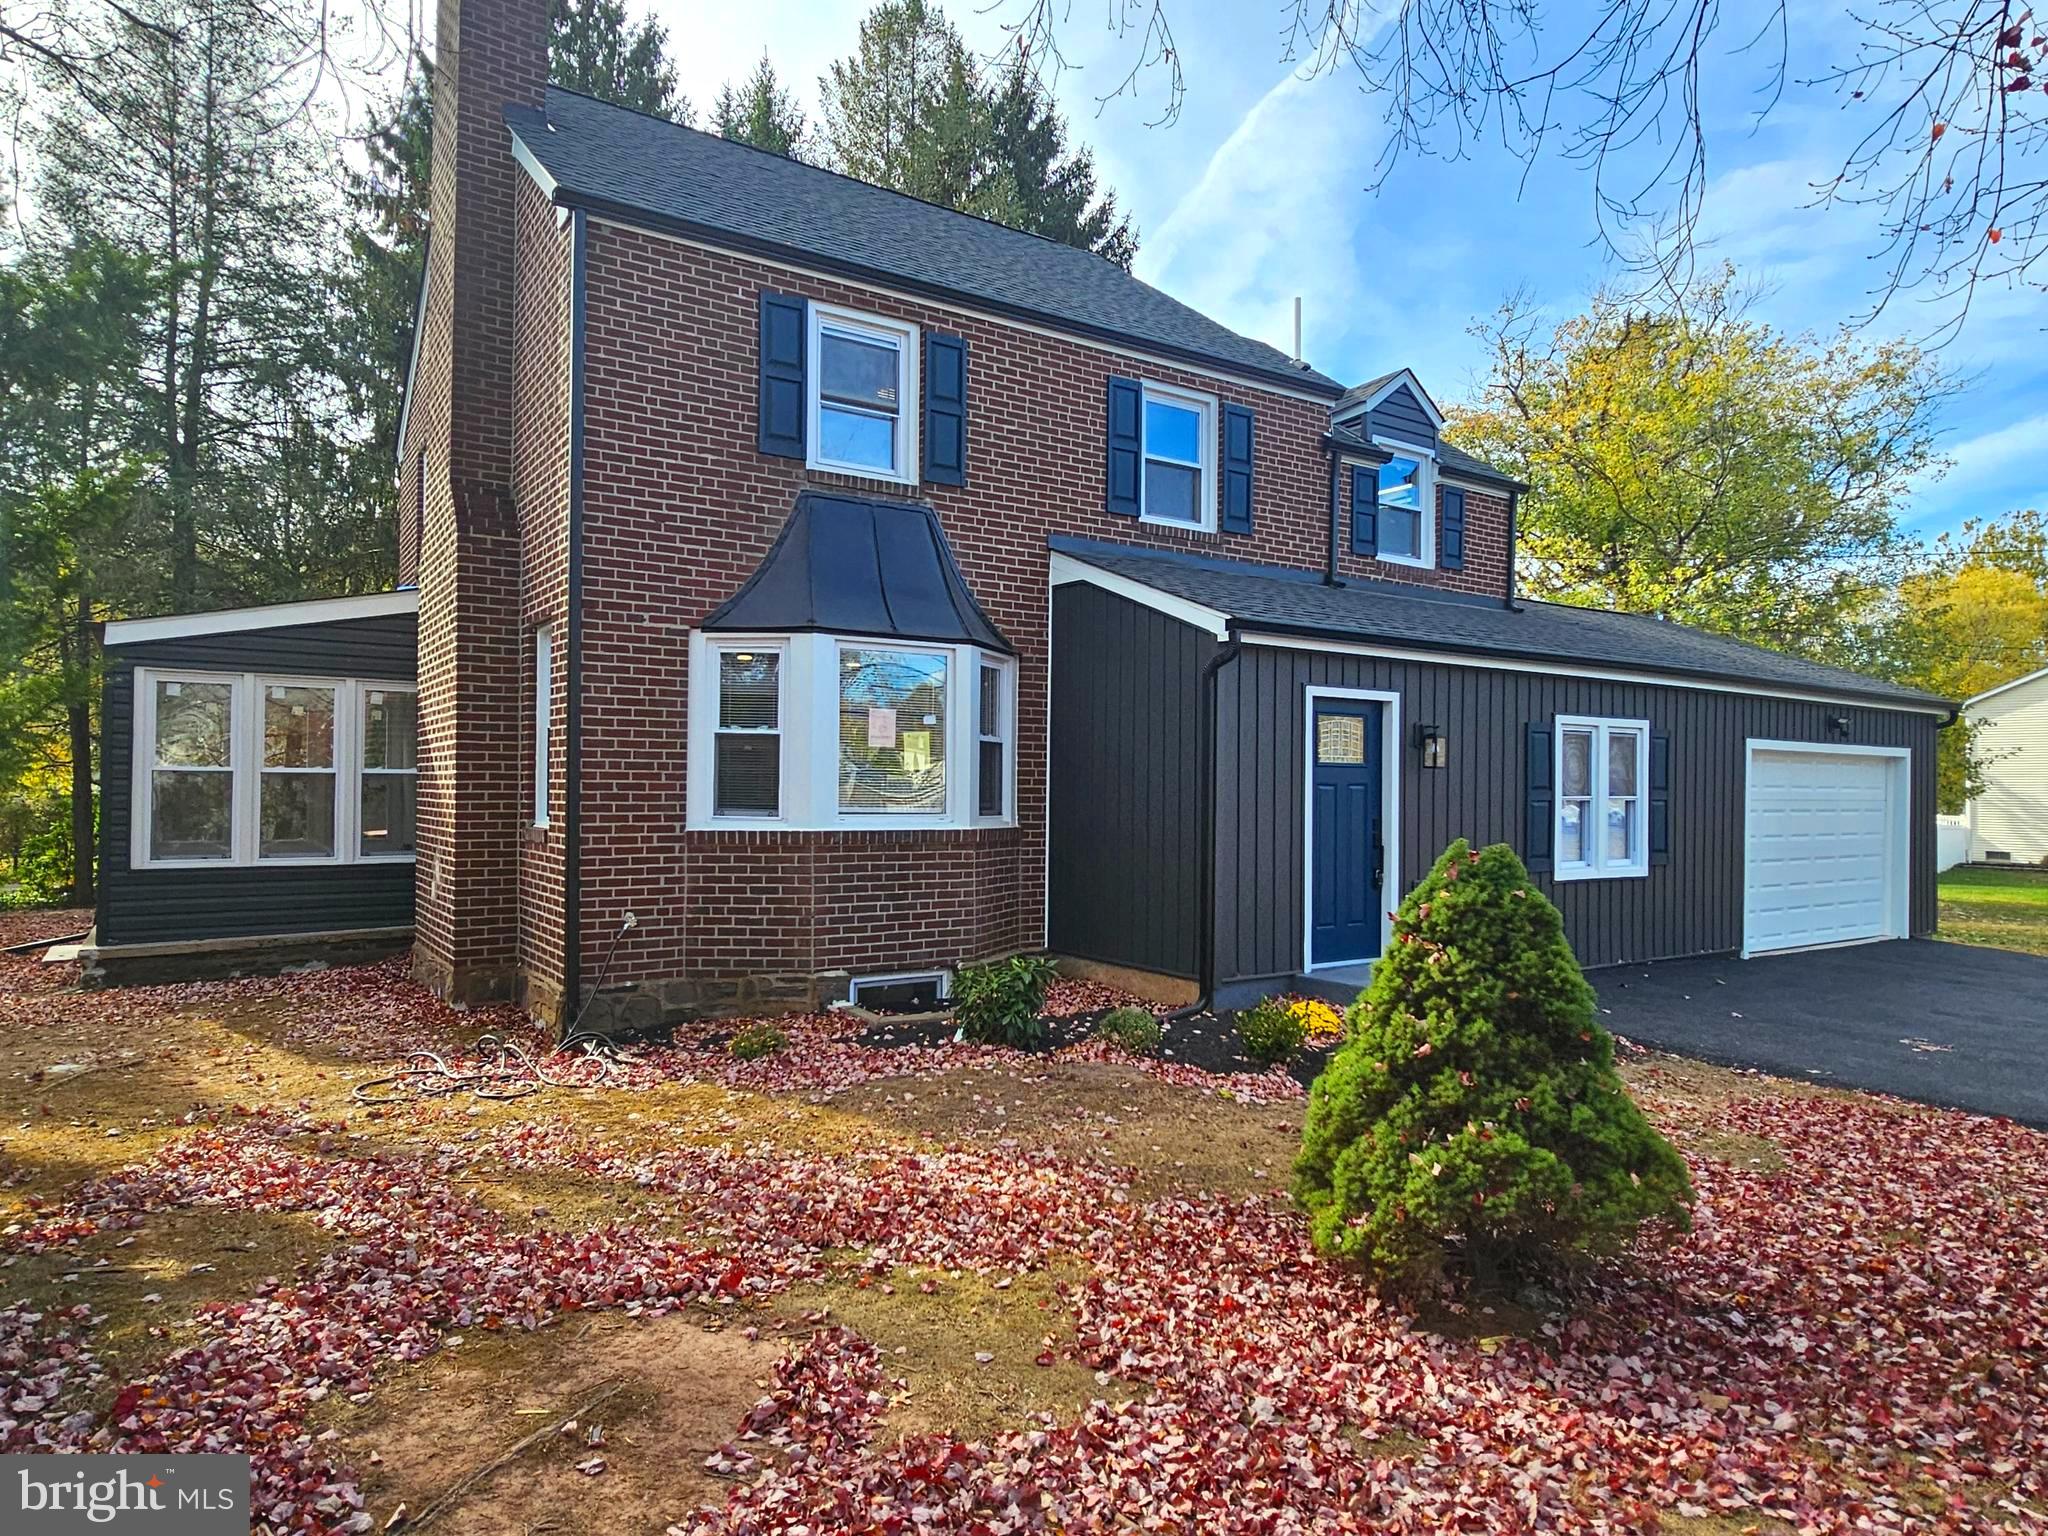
x=1951, y=841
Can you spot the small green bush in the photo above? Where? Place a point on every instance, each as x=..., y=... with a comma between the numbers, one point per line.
x=998, y=1004
x=758, y=1039
x=1271, y=1032
x=1130, y=1029
x=1474, y=1113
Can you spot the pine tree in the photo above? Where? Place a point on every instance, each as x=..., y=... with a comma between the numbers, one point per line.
x=593, y=49
x=1036, y=182
x=761, y=113
x=1474, y=1109
x=904, y=111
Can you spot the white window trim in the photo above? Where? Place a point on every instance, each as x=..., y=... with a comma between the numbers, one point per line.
x=245, y=761
x=1006, y=723
x=712, y=652
x=1204, y=407
x=362, y=687
x=808, y=707
x=901, y=334
x=543, y=719
x=1598, y=867
x=1425, y=495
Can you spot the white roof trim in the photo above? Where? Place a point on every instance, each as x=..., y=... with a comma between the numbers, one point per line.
x=1405, y=376
x=412, y=362
x=1068, y=571
x=229, y=621
x=1597, y=674
x=2018, y=682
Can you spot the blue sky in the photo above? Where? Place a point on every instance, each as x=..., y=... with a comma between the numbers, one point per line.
x=1258, y=193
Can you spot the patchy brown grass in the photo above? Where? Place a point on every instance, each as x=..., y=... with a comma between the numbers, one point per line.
x=1166, y=1139
x=673, y=1391
x=931, y=1339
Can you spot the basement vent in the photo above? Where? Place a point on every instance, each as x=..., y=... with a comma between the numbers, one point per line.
x=1997, y=856
x=914, y=992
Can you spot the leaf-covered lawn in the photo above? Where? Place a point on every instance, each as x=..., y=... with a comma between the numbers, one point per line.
x=2007, y=908
x=960, y=1290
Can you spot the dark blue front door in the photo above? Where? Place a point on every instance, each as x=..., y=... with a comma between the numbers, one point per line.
x=1346, y=848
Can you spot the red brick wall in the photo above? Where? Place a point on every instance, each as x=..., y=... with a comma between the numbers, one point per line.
x=679, y=508
x=540, y=490
x=1486, y=545
x=464, y=552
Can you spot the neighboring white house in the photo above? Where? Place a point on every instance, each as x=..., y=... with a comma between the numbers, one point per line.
x=2009, y=821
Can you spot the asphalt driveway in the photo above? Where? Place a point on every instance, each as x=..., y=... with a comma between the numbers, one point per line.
x=1949, y=1024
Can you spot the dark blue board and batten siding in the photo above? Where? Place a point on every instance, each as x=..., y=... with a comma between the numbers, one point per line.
x=1125, y=850
x=1401, y=417
x=148, y=906
x=1125, y=857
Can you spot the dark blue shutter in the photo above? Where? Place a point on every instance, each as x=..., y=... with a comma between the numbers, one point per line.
x=1237, y=469
x=945, y=409
x=1126, y=448
x=1365, y=510
x=1542, y=803
x=782, y=375
x=1660, y=798
x=1452, y=555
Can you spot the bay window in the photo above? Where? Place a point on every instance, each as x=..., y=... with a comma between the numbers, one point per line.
x=247, y=769
x=812, y=731
x=1600, y=814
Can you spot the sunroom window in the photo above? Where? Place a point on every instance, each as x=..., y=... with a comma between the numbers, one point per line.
x=863, y=374
x=241, y=768
x=813, y=731
x=1600, y=819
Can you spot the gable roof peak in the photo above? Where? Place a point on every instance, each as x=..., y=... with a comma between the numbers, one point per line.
x=1361, y=398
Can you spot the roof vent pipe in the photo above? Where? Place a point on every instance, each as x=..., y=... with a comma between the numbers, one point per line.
x=1297, y=331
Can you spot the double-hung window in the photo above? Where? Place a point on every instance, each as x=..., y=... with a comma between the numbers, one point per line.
x=1407, y=506
x=1178, y=483
x=389, y=796
x=1601, y=765
x=246, y=768
x=991, y=789
x=862, y=373
x=191, y=789
x=837, y=732
x=747, y=750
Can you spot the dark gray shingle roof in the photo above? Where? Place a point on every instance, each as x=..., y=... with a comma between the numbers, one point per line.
x=1358, y=394
x=1298, y=602
x=852, y=565
x=1448, y=455
x=604, y=156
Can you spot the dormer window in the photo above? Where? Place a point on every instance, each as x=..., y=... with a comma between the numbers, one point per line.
x=863, y=372
x=1407, y=499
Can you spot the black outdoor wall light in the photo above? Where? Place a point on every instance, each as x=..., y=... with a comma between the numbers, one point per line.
x=1838, y=726
x=1431, y=740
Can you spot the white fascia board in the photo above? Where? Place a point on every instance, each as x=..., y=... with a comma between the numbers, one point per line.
x=1595, y=674
x=1377, y=397
x=2018, y=682
x=229, y=621
x=1068, y=571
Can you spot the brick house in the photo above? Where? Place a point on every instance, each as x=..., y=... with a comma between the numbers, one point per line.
x=849, y=589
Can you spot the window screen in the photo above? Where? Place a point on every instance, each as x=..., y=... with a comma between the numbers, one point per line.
x=748, y=747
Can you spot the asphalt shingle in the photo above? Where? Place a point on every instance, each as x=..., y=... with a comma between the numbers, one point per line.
x=1298, y=602
x=604, y=156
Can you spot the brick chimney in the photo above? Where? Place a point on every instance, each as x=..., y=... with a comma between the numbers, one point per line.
x=459, y=538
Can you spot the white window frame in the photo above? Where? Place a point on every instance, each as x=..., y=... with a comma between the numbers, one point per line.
x=245, y=758
x=1204, y=406
x=1006, y=726
x=712, y=653
x=900, y=334
x=543, y=719
x=809, y=710
x=1425, y=496
x=1597, y=865
x=363, y=773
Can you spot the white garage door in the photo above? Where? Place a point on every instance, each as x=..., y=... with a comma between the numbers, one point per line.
x=1825, y=855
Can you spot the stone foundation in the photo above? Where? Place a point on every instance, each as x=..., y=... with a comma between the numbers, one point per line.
x=637, y=1007
x=464, y=986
